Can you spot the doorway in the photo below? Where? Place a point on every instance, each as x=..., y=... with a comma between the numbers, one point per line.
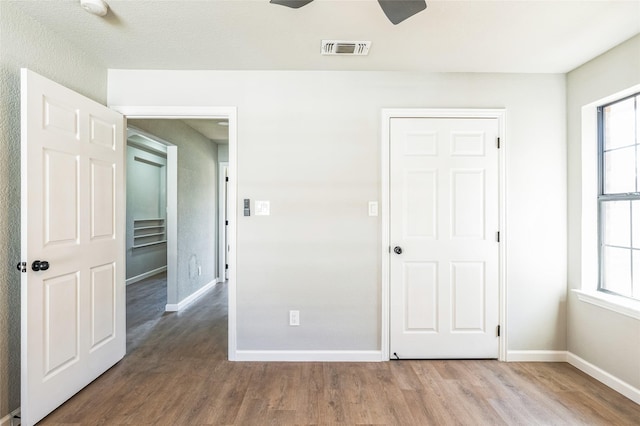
x=228, y=114
x=443, y=234
x=147, y=205
x=150, y=220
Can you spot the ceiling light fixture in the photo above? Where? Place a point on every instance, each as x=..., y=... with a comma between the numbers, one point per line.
x=95, y=7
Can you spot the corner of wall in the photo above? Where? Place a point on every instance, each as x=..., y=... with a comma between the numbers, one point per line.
x=603, y=341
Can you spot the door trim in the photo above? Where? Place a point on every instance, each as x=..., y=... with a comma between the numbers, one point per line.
x=222, y=208
x=231, y=114
x=387, y=114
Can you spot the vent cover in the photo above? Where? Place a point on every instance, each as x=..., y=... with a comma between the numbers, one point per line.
x=341, y=47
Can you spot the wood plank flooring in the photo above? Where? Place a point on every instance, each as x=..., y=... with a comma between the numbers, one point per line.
x=176, y=373
x=146, y=302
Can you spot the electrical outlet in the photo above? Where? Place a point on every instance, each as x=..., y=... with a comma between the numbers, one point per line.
x=294, y=318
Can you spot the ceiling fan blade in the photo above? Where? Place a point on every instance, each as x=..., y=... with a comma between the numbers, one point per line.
x=399, y=10
x=291, y=3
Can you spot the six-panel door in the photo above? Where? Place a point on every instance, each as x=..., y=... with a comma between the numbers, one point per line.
x=73, y=313
x=444, y=214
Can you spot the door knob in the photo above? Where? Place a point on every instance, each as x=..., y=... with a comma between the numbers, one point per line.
x=39, y=265
x=397, y=250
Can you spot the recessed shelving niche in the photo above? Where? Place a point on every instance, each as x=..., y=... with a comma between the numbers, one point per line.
x=149, y=232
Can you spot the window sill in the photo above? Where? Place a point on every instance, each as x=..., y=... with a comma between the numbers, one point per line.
x=618, y=304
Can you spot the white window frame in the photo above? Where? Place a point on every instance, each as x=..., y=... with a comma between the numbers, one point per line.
x=589, y=218
x=605, y=197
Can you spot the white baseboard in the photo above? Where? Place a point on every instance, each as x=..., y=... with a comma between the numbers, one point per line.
x=310, y=356
x=599, y=374
x=145, y=275
x=536, y=356
x=174, y=307
x=7, y=420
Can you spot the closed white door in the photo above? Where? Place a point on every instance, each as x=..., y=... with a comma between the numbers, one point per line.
x=444, y=217
x=73, y=300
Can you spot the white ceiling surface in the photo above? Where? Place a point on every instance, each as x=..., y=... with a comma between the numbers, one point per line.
x=552, y=36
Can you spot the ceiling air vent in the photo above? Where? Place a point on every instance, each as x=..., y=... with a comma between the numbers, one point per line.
x=340, y=47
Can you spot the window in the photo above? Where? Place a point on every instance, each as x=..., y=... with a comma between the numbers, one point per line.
x=619, y=196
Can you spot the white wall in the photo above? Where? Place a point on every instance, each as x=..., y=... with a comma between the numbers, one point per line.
x=604, y=338
x=26, y=43
x=309, y=142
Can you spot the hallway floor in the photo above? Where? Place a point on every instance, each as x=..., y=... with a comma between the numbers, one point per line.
x=176, y=373
x=146, y=302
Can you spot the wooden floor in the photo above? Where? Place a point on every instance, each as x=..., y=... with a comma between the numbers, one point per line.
x=176, y=373
x=146, y=302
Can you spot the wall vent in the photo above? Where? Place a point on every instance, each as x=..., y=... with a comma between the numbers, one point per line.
x=341, y=47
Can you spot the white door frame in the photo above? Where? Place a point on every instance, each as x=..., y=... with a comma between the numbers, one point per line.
x=229, y=113
x=387, y=115
x=222, y=208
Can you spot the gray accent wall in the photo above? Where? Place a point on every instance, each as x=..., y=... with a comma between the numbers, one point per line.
x=197, y=203
x=26, y=43
x=606, y=339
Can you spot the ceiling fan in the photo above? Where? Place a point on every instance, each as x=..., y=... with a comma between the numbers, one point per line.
x=396, y=10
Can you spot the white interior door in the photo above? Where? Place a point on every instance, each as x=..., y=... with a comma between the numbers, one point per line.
x=73, y=308
x=444, y=218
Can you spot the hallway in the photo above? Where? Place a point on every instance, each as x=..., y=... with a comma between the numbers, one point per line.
x=176, y=373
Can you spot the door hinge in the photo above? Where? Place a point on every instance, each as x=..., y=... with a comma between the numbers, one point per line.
x=498, y=236
x=22, y=266
x=226, y=222
x=226, y=178
x=498, y=143
x=226, y=266
x=498, y=331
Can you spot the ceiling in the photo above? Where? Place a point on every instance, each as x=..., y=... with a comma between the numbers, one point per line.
x=551, y=36
x=210, y=128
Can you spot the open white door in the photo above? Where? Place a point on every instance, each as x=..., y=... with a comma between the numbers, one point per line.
x=73, y=306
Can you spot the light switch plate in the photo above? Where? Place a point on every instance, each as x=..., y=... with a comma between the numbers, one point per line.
x=262, y=208
x=294, y=318
x=373, y=208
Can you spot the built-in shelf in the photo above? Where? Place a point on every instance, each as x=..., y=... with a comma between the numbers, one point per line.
x=151, y=235
x=149, y=232
x=150, y=244
x=141, y=228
